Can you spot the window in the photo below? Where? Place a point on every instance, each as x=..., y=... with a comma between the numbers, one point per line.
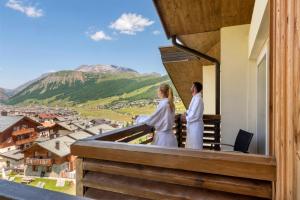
x=49, y=169
x=262, y=107
x=24, y=126
x=34, y=168
x=8, y=163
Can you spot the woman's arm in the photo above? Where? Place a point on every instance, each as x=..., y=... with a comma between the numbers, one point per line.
x=152, y=119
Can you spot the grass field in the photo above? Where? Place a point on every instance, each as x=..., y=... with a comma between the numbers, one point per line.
x=69, y=187
x=123, y=114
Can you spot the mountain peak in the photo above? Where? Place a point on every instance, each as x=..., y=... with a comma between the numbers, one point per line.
x=104, y=69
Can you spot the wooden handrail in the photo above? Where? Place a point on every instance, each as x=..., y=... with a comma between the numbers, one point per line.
x=230, y=164
x=27, y=140
x=38, y=161
x=23, y=131
x=122, y=133
x=128, y=134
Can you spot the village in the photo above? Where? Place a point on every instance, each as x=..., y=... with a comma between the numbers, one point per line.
x=35, y=144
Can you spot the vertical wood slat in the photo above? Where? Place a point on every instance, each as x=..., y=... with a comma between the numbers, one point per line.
x=285, y=91
x=212, y=131
x=79, y=177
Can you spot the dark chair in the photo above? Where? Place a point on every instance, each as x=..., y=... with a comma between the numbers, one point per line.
x=242, y=142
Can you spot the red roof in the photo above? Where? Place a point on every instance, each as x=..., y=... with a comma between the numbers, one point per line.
x=47, y=116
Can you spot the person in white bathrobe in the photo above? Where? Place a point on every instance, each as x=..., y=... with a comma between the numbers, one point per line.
x=163, y=118
x=194, y=118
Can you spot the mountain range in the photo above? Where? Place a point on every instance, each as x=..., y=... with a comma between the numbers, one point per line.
x=85, y=83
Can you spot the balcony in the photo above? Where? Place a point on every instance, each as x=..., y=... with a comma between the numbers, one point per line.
x=23, y=131
x=107, y=164
x=30, y=139
x=38, y=162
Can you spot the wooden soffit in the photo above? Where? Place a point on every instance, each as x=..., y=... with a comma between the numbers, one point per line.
x=183, y=69
x=197, y=24
x=183, y=17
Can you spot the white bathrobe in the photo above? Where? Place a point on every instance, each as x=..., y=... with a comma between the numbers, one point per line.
x=195, y=125
x=162, y=119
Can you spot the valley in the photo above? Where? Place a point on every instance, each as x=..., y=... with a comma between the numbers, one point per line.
x=95, y=91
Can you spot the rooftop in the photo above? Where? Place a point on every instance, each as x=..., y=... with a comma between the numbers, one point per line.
x=64, y=145
x=13, y=154
x=8, y=121
x=104, y=127
x=79, y=135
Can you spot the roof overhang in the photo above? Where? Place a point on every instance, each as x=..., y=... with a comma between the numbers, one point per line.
x=196, y=24
x=184, y=17
x=177, y=63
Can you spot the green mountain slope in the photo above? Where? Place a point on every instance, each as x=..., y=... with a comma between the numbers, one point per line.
x=79, y=87
x=96, y=91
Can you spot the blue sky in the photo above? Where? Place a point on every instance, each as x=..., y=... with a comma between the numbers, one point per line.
x=39, y=36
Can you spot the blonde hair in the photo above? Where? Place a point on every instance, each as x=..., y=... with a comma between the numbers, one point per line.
x=167, y=91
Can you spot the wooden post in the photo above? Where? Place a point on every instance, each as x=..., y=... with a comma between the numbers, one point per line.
x=217, y=135
x=79, y=177
x=285, y=96
x=179, y=130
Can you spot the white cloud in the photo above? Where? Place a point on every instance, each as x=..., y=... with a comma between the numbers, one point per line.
x=130, y=23
x=30, y=11
x=99, y=35
x=156, y=32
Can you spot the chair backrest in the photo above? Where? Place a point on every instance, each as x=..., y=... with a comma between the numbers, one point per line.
x=242, y=141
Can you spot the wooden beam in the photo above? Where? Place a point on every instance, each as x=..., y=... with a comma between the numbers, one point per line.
x=285, y=91
x=93, y=193
x=229, y=164
x=79, y=177
x=208, y=181
x=152, y=189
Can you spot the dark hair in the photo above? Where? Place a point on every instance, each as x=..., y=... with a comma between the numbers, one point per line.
x=198, y=86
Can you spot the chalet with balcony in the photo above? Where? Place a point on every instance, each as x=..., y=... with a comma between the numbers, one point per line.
x=17, y=132
x=53, y=130
x=49, y=158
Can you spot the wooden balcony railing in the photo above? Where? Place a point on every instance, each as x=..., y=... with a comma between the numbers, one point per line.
x=30, y=139
x=108, y=166
x=143, y=134
x=38, y=162
x=128, y=135
x=23, y=131
x=212, y=133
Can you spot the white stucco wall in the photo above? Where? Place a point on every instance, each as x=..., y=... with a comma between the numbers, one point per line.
x=13, y=163
x=238, y=90
x=209, y=89
x=259, y=28
x=56, y=170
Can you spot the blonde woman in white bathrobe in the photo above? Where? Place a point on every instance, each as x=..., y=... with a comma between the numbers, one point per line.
x=163, y=118
x=194, y=118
